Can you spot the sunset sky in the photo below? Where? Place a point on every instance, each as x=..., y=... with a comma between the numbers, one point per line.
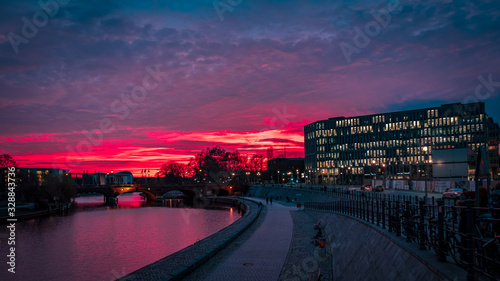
x=244, y=75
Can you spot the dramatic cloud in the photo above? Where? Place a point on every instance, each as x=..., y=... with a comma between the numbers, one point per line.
x=248, y=82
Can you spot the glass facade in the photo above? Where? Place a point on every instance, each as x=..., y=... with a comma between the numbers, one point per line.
x=395, y=145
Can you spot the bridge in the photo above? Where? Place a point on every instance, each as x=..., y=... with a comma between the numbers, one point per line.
x=153, y=191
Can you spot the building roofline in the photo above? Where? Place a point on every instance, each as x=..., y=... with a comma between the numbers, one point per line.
x=395, y=112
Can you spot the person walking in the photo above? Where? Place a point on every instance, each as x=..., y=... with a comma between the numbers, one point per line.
x=267, y=200
x=243, y=209
x=271, y=200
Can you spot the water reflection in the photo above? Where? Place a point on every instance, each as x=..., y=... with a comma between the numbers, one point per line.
x=133, y=200
x=104, y=243
x=91, y=200
x=125, y=200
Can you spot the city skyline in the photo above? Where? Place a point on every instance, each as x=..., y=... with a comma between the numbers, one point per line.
x=245, y=79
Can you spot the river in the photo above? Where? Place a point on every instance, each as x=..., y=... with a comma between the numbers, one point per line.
x=104, y=243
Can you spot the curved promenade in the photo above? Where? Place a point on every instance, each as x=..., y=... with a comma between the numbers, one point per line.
x=271, y=247
x=262, y=256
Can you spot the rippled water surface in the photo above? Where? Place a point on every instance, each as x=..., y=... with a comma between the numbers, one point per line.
x=103, y=243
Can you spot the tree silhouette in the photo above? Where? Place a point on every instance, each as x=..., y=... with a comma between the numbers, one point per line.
x=6, y=160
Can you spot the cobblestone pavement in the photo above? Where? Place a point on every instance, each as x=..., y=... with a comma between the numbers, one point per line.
x=262, y=256
x=304, y=257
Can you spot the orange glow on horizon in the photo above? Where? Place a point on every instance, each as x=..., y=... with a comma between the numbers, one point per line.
x=158, y=148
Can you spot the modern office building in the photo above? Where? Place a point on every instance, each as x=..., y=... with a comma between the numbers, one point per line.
x=396, y=145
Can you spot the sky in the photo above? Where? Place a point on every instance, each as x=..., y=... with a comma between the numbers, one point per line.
x=126, y=85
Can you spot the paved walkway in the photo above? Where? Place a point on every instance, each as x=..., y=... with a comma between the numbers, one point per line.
x=262, y=256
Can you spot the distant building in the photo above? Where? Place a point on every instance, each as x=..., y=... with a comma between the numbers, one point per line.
x=36, y=175
x=285, y=170
x=124, y=177
x=98, y=178
x=396, y=145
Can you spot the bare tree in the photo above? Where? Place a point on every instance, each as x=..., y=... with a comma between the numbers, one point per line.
x=6, y=160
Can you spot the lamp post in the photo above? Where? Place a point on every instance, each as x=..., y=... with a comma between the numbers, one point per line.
x=350, y=175
x=426, y=149
x=373, y=164
x=342, y=175
x=317, y=175
x=383, y=169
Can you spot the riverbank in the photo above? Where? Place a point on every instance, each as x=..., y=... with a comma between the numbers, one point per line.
x=181, y=263
x=27, y=212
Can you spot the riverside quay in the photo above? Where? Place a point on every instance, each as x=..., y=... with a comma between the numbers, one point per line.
x=399, y=145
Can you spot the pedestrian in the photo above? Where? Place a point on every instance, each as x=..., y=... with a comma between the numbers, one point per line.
x=271, y=200
x=242, y=210
x=267, y=200
x=239, y=208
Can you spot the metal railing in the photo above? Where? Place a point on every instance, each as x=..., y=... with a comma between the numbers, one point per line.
x=467, y=235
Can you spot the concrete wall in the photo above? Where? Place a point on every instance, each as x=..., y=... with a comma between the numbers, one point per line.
x=362, y=252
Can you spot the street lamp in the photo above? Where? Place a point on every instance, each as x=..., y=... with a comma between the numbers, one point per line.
x=350, y=175
x=317, y=175
x=383, y=167
x=342, y=175
x=373, y=163
x=426, y=170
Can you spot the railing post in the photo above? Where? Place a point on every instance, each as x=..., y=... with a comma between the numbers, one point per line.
x=389, y=214
x=356, y=204
x=383, y=213
x=397, y=220
x=407, y=221
x=363, y=202
x=470, y=249
x=368, y=208
x=421, y=228
x=373, y=211
x=441, y=246
x=433, y=209
x=378, y=210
